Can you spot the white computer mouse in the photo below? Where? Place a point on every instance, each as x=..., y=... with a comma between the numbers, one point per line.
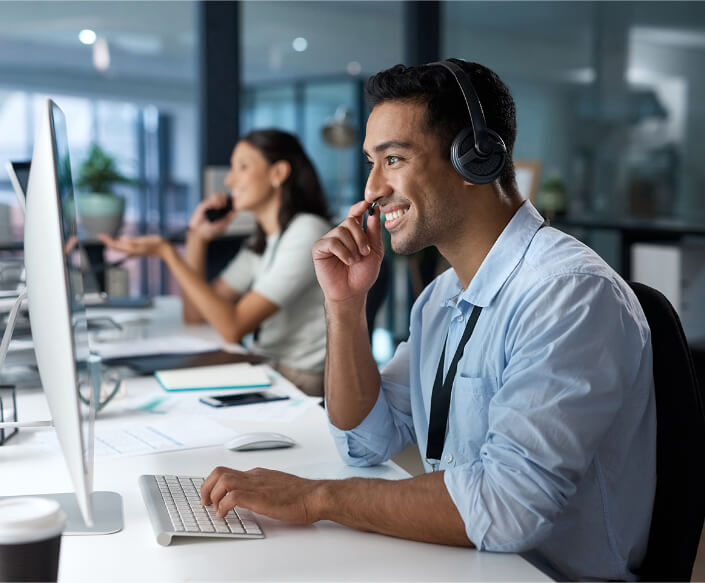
x=259, y=440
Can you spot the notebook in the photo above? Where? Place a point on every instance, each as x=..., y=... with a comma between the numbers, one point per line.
x=242, y=375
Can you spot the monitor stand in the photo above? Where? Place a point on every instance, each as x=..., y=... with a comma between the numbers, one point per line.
x=107, y=512
x=107, y=506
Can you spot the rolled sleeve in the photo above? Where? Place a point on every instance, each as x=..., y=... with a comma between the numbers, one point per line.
x=388, y=427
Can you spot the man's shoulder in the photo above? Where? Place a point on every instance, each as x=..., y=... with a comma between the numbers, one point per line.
x=558, y=266
x=553, y=253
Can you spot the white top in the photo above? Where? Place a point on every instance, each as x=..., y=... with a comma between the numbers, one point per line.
x=296, y=334
x=29, y=519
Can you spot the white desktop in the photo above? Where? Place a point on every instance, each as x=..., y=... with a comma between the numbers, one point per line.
x=194, y=443
x=59, y=330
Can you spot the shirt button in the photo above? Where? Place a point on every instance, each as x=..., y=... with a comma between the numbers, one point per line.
x=449, y=458
x=461, y=318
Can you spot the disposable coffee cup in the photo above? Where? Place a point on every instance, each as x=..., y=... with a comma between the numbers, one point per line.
x=30, y=539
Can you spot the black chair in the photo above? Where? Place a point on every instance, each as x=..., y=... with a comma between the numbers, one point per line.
x=679, y=505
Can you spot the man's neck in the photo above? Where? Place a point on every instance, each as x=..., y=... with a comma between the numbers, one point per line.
x=488, y=215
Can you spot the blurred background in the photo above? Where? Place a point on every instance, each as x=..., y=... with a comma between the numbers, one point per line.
x=610, y=102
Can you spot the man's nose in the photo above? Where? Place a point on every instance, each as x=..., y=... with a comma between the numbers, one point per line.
x=377, y=186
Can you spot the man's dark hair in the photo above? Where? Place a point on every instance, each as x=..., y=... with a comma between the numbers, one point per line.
x=436, y=87
x=301, y=191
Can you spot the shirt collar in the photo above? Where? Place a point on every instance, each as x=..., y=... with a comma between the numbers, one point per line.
x=505, y=255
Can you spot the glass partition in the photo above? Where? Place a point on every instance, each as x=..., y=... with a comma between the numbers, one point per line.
x=608, y=97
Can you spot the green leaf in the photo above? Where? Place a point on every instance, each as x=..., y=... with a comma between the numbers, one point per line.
x=98, y=173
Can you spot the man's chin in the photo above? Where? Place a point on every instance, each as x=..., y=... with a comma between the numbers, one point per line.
x=405, y=246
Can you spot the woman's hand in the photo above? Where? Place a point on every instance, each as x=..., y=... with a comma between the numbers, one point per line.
x=147, y=245
x=347, y=259
x=204, y=228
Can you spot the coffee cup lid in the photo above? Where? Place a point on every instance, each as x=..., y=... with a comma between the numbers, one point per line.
x=29, y=519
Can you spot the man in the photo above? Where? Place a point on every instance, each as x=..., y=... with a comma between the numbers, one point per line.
x=549, y=446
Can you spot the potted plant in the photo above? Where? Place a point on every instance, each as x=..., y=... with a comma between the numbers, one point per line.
x=99, y=209
x=552, y=197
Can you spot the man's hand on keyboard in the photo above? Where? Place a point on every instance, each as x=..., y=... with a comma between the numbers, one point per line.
x=274, y=494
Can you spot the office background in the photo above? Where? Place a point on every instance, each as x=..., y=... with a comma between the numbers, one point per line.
x=609, y=100
x=610, y=103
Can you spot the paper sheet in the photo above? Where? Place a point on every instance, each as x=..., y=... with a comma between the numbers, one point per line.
x=153, y=434
x=159, y=434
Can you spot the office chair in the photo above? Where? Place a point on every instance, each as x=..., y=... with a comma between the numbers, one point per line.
x=679, y=504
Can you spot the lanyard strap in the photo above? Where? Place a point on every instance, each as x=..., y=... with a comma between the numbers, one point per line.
x=440, y=398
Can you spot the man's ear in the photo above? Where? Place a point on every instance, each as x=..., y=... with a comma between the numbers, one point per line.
x=280, y=171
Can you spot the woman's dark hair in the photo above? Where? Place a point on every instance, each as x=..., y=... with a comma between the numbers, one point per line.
x=447, y=114
x=301, y=191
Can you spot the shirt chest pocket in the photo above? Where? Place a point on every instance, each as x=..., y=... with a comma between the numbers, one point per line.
x=468, y=420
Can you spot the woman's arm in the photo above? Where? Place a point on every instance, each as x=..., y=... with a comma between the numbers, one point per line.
x=195, y=258
x=232, y=321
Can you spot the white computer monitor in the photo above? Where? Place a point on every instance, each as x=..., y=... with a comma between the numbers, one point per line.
x=58, y=320
x=19, y=176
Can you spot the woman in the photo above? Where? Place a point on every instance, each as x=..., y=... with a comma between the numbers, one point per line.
x=270, y=287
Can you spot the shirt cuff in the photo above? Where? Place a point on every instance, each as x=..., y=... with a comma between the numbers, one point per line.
x=360, y=446
x=463, y=485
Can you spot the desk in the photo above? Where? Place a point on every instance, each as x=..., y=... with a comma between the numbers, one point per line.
x=324, y=551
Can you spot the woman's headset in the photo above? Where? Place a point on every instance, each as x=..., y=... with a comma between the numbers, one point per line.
x=478, y=153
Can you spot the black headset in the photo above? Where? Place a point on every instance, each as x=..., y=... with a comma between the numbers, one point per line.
x=478, y=153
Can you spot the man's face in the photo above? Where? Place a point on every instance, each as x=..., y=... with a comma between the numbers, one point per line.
x=414, y=185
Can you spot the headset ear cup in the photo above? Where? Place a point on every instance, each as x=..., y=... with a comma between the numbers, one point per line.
x=476, y=167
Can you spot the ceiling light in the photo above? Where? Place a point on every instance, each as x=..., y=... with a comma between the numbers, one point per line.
x=354, y=68
x=300, y=44
x=101, y=55
x=87, y=36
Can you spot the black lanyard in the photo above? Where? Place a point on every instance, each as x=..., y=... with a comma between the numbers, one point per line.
x=440, y=398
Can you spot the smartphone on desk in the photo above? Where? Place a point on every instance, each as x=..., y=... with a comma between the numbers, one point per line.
x=241, y=399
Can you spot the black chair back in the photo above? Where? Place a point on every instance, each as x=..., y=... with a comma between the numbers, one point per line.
x=679, y=505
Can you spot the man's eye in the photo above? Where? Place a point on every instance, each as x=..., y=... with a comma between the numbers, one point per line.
x=369, y=164
x=392, y=160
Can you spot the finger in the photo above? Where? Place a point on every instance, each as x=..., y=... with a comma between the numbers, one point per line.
x=226, y=504
x=353, y=238
x=333, y=247
x=208, y=484
x=360, y=239
x=374, y=233
x=358, y=209
x=123, y=246
x=218, y=200
x=220, y=490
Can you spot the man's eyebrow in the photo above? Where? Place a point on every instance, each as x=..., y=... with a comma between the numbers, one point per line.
x=388, y=145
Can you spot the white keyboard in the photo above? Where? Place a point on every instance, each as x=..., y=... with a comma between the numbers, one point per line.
x=175, y=509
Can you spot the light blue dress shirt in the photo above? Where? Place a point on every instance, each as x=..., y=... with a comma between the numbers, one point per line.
x=550, y=448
